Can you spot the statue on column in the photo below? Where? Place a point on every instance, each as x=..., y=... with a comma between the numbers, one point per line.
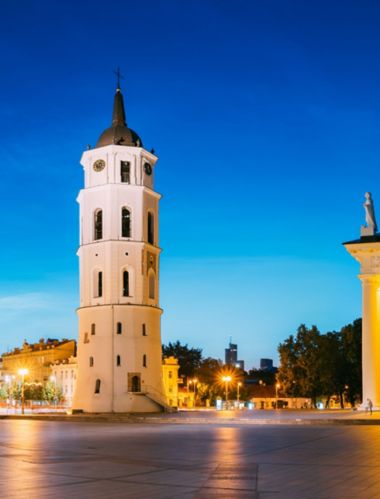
x=370, y=228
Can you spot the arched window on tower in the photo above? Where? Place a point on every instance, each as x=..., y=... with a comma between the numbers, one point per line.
x=118, y=360
x=98, y=224
x=93, y=329
x=150, y=227
x=91, y=362
x=119, y=328
x=152, y=285
x=125, y=222
x=125, y=171
x=125, y=283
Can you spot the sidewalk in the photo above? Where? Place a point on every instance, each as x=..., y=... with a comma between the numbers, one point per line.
x=213, y=417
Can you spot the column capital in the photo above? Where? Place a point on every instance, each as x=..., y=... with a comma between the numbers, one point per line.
x=370, y=278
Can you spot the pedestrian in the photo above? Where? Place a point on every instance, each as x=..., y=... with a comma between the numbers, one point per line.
x=369, y=406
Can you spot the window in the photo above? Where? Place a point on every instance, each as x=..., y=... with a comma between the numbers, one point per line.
x=125, y=283
x=119, y=328
x=100, y=284
x=170, y=375
x=92, y=329
x=144, y=360
x=150, y=228
x=85, y=339
x=118, y=360
x=97, y=386
x=125, y=222
x=125, y=171
x=98, y=224
x=144, y=329
x=152, y=283
x=91, y=361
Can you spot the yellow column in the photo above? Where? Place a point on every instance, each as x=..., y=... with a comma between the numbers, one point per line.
x=371, y=338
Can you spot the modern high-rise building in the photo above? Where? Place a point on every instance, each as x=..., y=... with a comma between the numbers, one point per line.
x=119, y=343
x=231, y=356
x=266, y=365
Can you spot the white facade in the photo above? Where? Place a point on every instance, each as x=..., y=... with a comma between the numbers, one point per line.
x=64, y=375
x=368, y=255
x=119, y=344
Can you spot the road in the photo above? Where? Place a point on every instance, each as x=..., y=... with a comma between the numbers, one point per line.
x=53, y=459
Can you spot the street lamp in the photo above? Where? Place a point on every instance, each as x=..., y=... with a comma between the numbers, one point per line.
x=227, y=379
x=195, y=381
x=23, y=372
x=238, y=391
x=53, y=378
x=277, y=387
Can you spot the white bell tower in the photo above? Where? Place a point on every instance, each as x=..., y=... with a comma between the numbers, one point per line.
x=119, y=343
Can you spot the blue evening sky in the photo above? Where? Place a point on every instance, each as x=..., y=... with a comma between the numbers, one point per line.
x=265, y=116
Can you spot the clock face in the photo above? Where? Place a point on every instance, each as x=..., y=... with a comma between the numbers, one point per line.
x=148, y=169
x=99, y=165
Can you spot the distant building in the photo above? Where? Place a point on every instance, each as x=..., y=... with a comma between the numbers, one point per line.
x=64, y=375
x=266, y=365
x=37, y=358
x=170, y=369
x=231, y=356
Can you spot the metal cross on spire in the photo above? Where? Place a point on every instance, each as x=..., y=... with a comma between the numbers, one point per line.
x=118, y=76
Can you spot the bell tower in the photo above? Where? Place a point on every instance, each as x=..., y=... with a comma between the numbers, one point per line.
x=119, y=342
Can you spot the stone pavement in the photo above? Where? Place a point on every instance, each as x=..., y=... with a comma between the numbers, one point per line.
x=59, y=459
x=211, y=416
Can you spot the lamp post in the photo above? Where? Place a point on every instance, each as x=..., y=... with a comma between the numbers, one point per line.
x=277, y=387
x=226, y=379
x=238, y=391
x=23, y=372
x=195, y=381
x=53, y=378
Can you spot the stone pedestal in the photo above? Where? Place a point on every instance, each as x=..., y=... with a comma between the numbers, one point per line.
x=366, y=251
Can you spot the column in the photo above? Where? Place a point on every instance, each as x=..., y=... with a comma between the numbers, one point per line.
x=371, y=338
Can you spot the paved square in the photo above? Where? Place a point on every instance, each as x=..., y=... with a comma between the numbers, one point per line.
x=43, y=459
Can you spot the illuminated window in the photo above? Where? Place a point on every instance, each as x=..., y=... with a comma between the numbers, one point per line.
x=98, y=224
x=125, y=222
x=119, y=328
x=150, y=228
x=91, y=361
x=92, y=329
x=97, y=386
x=125, y=283
x=118, y=360
x=125, y=171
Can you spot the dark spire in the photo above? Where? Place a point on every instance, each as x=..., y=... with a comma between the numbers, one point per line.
x=118, y=115
x=119, y=133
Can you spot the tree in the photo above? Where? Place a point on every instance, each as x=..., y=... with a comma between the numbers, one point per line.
x=313, y=364
x=351, y=335
x=189, y=359
x=52, y=392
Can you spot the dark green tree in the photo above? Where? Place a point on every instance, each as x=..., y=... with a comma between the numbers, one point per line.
x=189, y=359
x=312, y=364
x=352, y=354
